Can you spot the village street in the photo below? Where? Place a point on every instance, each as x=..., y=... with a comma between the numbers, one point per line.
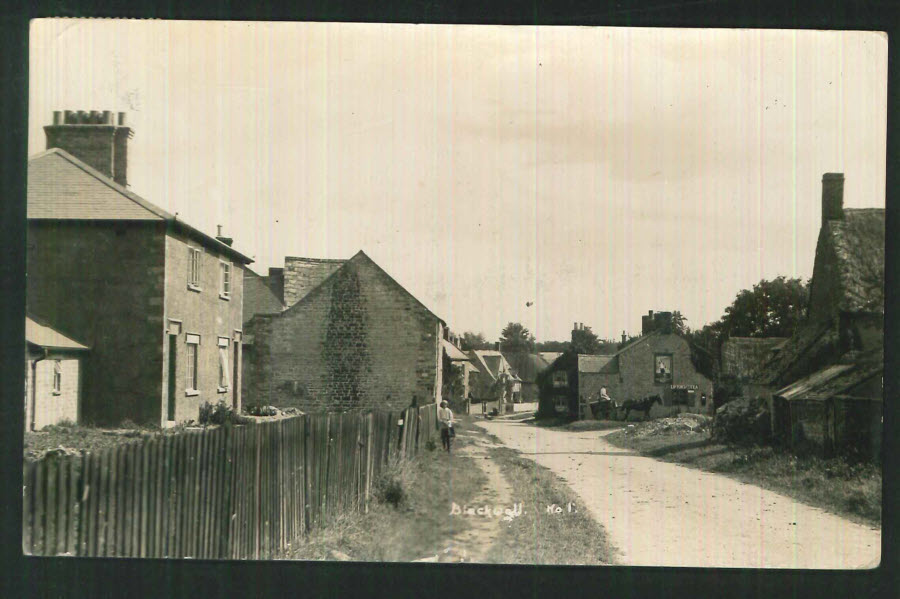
x=663, y=514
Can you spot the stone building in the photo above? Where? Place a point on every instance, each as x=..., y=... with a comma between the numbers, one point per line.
x=158, y=301
x=825, y=384
x=52, y=376
x=350, y=338
x=656, y=363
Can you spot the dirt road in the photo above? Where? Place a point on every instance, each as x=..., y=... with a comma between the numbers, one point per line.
x=663, y=514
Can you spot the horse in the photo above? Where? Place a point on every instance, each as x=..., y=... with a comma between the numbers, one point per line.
x=640, y=405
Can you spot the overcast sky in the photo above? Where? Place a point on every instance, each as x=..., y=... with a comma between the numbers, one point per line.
x=597, y=172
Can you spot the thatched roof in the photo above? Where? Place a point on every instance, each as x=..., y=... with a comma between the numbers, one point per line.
x=858, y=242
x=744, y=357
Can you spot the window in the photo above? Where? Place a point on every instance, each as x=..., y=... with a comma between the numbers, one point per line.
x=225, y=287
x=57, y=377
x=560, y=379
x=224, y=373
x=190, y=376
x=194, y=269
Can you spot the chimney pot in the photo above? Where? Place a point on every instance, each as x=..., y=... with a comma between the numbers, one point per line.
x=57, y=117
x=832, y=197
x=95, y=117
x=82, y=117
x=219, y=230
x=107, y=117
x=121, y=119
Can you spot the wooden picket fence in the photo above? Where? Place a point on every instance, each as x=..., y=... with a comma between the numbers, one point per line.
x=243, y=492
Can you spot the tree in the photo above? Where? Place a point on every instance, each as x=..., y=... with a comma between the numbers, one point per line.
x=557, y=346
x=516, y=338
x=584, y=341
x=474, y=341
x=771, y=309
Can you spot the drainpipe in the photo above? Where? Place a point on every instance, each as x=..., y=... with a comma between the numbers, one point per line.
x=34, y=386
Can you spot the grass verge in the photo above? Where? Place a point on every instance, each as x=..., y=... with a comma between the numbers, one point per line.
x=847, y=489
x=415, y=526
x=541, y=537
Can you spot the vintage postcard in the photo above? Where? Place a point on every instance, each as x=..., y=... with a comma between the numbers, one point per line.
x=445, y=293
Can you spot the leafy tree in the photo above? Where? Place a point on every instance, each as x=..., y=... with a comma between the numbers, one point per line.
x=771, y=309
x=516, y=338
x=584, y=341
x=559, y=346
x=474, y=341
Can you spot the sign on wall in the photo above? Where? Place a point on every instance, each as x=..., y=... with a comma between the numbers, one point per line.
x=662, y=368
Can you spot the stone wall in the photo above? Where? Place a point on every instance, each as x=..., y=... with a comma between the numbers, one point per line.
x=52, y=407
x=359, y=341
x=102, y=284
x=204, y=312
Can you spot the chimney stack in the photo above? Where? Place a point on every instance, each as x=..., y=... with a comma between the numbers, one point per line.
x=226, y=240
x=624, y=337
x=93, y=138
x=832, y=197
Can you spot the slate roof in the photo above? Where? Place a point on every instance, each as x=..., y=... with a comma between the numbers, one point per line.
x=550, y=356
x=831, y=381
x=858, y=242
x=594, y=364
x=44, y=336
x=258, y=297
x=62, y=187
x=745, y=357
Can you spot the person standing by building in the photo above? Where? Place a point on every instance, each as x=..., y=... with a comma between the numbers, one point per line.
x=445, y=416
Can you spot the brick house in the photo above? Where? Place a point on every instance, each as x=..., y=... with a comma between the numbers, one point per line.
x=52, y=376
x=656, y=363
x=825, y=384
x=351, y=337
x=158, y=302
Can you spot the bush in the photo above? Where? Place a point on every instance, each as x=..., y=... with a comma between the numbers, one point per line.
x=430, y=445
x=220, y=413
x=391, y=486
x=259, y=410
x=742, y=421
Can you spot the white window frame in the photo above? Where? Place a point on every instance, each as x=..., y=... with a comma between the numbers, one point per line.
x=224, y=372
x=194, y=258
x=57, y=377
x=192, y=362
x=226, y=276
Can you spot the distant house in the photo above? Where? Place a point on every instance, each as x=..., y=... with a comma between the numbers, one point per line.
x=527, y=366
x=158, y=301
x=656, y=363
x=349, y=338
x=52, y=376
x=458, y=363
x=826, y=381
x=495, y=379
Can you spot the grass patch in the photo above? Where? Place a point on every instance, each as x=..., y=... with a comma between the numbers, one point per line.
x=408, y=516
x=539, y=537
x=852, y=490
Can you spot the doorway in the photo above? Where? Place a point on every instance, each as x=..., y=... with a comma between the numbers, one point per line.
x=170, y=412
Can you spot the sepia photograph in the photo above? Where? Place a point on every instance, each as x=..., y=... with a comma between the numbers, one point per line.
x=454, y=294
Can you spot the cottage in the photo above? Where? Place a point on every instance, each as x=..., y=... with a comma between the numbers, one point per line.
x=825, y=382
x=656, y=363
x=743, y=360
x=52, y=376
x=158, y=301
x=495, y=381
x=459, y=376
x=350, y=338
x=527, y=367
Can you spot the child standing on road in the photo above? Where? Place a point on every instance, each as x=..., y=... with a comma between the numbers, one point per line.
x=445, y=416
